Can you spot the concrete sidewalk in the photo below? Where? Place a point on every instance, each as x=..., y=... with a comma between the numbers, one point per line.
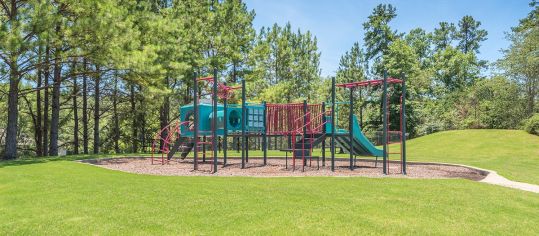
x=496, y=179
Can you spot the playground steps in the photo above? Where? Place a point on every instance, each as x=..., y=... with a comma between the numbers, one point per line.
x=185, y=146
x=186, y=149
x=303, y=146
x=303, y=149
x=181, y=144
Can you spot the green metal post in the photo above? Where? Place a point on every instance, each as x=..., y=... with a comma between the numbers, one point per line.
x=214, y=120
x=351, y=128
x=225, y=129
x=324, y=134
x=243, y=118
x=403, y=144
x=305, y=110
x=333, y=123
x=264, y=135
x=195, y=121
x=384, y=119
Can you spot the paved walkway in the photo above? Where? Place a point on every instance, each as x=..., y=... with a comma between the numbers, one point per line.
x=495, y=178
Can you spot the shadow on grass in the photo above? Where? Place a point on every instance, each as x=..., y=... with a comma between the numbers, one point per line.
x=41, y=160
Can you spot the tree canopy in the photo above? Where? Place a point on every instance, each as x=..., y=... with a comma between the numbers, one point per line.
x=102, y=76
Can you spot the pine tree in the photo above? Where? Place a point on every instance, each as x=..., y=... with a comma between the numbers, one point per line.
x=16, y=43
x=378, y=34
x=443, y=35
x=469, y=35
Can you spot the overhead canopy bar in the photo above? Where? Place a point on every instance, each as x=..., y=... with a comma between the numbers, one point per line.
x=367, y=83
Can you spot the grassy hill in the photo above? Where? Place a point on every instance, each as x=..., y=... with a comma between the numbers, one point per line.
x=54, y=196
x=512, y=153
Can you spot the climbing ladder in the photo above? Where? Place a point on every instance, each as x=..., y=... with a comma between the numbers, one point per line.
x=310, y=137
x=200, y=148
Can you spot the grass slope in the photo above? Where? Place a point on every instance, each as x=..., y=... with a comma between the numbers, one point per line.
x=65, y=198
x=512, y=153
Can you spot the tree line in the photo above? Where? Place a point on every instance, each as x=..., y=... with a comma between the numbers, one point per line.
x=102, y=76
x=448, y=86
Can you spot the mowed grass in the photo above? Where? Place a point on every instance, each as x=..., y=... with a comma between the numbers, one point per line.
x=56, y=196
x=514, y=154
x=66, y=198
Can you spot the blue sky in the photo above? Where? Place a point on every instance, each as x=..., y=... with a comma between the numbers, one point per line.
x=338, y=23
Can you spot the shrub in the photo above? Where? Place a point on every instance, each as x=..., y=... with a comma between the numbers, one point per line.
x=532, y=124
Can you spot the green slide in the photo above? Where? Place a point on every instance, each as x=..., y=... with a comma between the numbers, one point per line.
x=361, y=145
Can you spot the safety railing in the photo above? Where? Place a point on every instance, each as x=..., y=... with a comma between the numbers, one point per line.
x=173, y=133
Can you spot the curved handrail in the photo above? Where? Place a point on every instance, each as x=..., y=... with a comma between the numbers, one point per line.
x=172, y=128
x=298, y=119
x=309, y=122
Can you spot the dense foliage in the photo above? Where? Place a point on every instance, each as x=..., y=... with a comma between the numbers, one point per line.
x=531, y=125
x=447, y=83
x=102, y=76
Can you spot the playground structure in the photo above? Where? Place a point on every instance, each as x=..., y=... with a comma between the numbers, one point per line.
x=203, y=125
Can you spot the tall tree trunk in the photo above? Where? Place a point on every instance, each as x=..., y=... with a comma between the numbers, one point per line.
x=75, y=115
x=96, y=110
x=144, y=133
x=164, y=117
x=38, y=135
x=55, y=112
x=234, y=73
x=115, y=116
x=45, y=126
x=85, y=107
x=134, y=115
x=142, y=120
x=163, y=120
x=13, y=110
x=531, y=92
x=187, y=96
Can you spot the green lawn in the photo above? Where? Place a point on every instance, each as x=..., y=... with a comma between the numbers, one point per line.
x=512, y=153
x=58, y=196
x=63, y=197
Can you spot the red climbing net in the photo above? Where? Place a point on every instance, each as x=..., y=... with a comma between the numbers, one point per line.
x=282, y=119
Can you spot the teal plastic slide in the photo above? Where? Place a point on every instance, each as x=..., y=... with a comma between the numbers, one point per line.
x=360, y=145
